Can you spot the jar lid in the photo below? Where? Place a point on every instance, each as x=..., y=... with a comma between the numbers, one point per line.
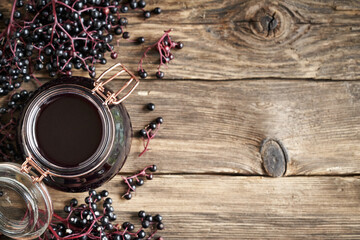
x=25, y=204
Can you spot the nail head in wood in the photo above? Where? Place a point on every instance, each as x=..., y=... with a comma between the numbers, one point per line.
x=274, y=157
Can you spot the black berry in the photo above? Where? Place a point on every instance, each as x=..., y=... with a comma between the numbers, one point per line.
x=142, y=214
x=160, y=74
x=159, y=120
x=143, y=73
x=150, y=106
x=140, y=40
x=180, y=45
x=147, y=14
x=153, y=168
x=157, y=10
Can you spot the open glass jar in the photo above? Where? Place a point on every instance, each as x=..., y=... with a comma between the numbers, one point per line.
x=75, y=135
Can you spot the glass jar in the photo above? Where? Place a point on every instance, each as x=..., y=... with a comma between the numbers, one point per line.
x=75, y=135
x=25, y=205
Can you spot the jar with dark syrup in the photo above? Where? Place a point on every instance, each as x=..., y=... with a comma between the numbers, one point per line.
x=75, y=135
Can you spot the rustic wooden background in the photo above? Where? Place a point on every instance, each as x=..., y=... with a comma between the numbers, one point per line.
x=261, y=136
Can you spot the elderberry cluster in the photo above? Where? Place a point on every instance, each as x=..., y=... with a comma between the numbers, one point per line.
x=147, y=132
x=17, y=101
x=60, y=36
x=89, y=215
x=94, y=220
x=163, y=46
x=150, y=131
x=138, y=180
x=8, y=125
x=147, y=220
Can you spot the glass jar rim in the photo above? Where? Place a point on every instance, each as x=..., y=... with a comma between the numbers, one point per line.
x=28, y=227
x=29, y=137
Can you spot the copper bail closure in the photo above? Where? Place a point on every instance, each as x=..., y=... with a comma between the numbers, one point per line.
x=110, y=97
x=28, y=165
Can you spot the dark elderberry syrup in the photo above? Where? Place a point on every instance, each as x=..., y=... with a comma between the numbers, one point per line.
x=68, y=130
x=72, y=137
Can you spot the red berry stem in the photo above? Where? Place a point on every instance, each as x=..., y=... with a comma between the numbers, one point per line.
x=129, y=181
x=150, y=131
x=152, y=235
x=150, y=134
x=163, y=47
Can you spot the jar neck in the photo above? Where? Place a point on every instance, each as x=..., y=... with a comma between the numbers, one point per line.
x=28, y=130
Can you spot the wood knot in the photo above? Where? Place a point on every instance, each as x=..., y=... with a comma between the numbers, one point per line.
x=274, y=157
x=267, y=24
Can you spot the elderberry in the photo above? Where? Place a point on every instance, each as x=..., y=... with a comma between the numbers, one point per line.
x=141, y=4
x=140, y=182
x=117, y=237
x=17, y=14
x=143, y=132
x=149, y=218
x=180, y=45
x=67, y=209
x=157, y=10
x=104, y=193
x=130, y=180
x=142, y=214
x=160, y=74
x=145, y=224
x=118, y=31
x=159, y=120
x=73, y=202
x=150, y=106
x=153, y=168
x=128, y=196
x=124, y=9
x=126, y=35
x=160, y=226
x=143, y=73
x=141, y=234
x=140, y=40
x=147, y=14
x=158, y=218
x=152, y=126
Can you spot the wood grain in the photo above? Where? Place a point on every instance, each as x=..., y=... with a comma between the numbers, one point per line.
x=218, y=127
x=228, y=39
x=222, y=207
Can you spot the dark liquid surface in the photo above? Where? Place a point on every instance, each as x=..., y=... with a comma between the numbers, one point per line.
x=68, y=130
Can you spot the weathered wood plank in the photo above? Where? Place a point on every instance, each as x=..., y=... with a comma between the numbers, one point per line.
x=222, y=207
x=219, y=127
x=231, y=39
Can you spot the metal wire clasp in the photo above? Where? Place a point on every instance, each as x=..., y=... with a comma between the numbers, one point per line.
x=109, y=97
x=28, y=165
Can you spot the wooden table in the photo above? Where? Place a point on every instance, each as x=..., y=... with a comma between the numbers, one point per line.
x=261, y=135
